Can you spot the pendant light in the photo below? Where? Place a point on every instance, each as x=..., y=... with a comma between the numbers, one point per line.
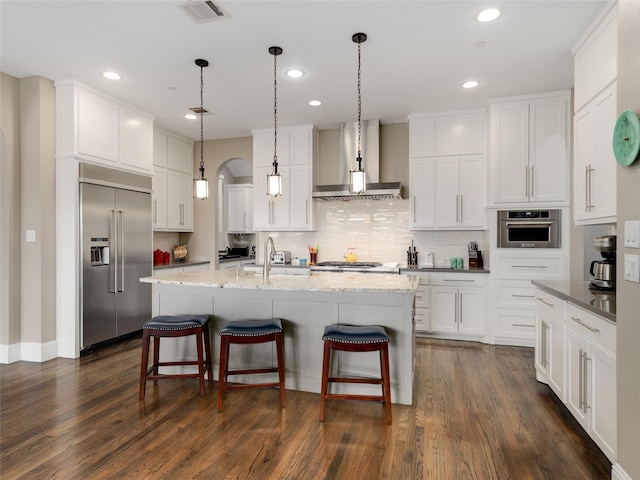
x=274, y=180
x=357, y=181
x=200, y=184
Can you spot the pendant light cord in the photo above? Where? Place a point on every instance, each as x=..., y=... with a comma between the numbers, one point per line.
x=359, y=109
x=275, y=113
x=201, y=122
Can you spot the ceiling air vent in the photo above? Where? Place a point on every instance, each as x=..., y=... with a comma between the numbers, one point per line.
x=198, y=110
x=203, y=11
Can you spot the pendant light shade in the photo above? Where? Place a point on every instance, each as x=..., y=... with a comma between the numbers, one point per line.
x=200, y=184
x=274, y=180
x=357, y=180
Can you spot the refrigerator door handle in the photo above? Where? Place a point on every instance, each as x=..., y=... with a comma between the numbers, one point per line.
x=121, y=250
x=113, y=248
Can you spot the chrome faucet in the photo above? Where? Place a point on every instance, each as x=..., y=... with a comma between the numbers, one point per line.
x=267, y=257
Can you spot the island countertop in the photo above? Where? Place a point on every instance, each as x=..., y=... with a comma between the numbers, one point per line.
x=316, y=282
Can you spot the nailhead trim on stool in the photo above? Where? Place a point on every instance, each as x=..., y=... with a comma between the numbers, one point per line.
x=356, y=339
x=175, y=326
x=250, y=332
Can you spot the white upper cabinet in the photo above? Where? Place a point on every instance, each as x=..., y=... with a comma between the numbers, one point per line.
x=529, y=150
x=595, y=114
x=294, y=209
x=447, y=171
x=92, y=126
x=239, y=199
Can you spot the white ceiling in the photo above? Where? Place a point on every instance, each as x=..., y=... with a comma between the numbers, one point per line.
x=416, y=57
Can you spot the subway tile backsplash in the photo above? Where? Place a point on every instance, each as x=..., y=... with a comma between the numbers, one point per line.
x=377, y=230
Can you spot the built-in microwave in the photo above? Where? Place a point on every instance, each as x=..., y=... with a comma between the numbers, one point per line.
x=528, y=229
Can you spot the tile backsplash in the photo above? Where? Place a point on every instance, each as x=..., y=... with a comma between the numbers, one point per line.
x=377, y=230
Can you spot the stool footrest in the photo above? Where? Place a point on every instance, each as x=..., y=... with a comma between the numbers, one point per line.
x=172, y=375
x=251, y=385
x=250, y=371
x=371, y=381
x=344, y=396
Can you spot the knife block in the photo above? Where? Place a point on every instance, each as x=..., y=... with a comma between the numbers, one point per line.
x=475, y=261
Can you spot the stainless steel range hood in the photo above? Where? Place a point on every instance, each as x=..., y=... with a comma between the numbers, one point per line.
x=369, y=146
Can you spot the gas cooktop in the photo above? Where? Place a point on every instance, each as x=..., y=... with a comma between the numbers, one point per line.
x=343, y=264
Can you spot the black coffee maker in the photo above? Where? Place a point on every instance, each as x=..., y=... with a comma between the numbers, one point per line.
x=603, y=272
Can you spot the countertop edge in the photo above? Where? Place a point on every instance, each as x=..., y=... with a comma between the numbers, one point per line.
x=443, y=270
x=611, y=317
x=182, y=264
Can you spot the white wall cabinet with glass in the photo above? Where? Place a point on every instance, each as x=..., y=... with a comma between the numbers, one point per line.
x=294, y=209
x=239, y=201
x=447, y=171
x=172, y=183
x=96, y=127
x=458, y=305
x=530, y=149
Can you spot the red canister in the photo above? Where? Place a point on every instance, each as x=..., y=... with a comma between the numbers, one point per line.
x=166, y=258
x=158, y=256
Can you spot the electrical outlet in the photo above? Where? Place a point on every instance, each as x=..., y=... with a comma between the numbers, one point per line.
x=632, y=233
x=632, y=268
x=30, y=236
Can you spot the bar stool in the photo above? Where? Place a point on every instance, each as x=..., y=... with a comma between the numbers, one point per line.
x=175, y=326
x=250, y=332
x=356, y=339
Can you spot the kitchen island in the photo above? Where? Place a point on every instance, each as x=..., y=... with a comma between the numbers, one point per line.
x=306, y=305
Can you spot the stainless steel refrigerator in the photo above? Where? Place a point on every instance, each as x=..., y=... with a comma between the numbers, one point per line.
x=116, y=247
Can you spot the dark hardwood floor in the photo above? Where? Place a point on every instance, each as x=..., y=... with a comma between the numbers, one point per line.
x=478, y=414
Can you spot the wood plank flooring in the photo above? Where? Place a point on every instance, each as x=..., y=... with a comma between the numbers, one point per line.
x=478, y=414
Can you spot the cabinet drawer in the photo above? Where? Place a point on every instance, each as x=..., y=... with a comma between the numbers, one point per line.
x=519, y=322
x=422, y=297
x=515, y=294
x=549, y=303
x=550, y=267
x=459, y=279
x=595, y=328
x=422, y=319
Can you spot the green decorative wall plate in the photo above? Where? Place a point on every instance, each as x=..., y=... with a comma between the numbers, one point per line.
x=626, y=138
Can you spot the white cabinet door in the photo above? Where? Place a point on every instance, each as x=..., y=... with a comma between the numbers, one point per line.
x=239, y=200
x=97, y=127
x=602, y=399
x=422, y=137
x=179, y=155
x=444, y=309
x=301, y=203
x=509, y=151
x=422, y=186
x=460, y=134
x=594, y=171
x=160, y=153
x=556, y=350
x=447, y=192
x=159, y=185
x=472, y=317
x=541, y=360
x=179, y=201
x=577, y=349
x=136, y=140
x=548, y=150
x=472, y=197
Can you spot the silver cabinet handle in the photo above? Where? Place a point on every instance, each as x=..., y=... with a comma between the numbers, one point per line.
x=460, y=307
x=113, y=249
x=588, y=327
x=522, y=325
x=456, y=309
x=532, y=185
x=529, y=266
x=517, y=295
x=585, y=383
x=244, y=220
x=586, y=188
x=306, y=206
x=461, y=209
x=543, y=343
x=457, y=208
x=591, y=170
x=545, y=302
x=121, y=250
x=155, y=212
x=526, y=181
x=414, y=209
x=581, y=381
x=457, y=280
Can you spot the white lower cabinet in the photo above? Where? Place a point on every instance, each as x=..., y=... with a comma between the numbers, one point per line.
x=576, y=356
x=422, y=305
x=458, y=304
x=591, y=377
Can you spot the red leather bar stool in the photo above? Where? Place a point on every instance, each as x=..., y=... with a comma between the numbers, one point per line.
x=349, y=338
x=175, y=326
x=250, y=332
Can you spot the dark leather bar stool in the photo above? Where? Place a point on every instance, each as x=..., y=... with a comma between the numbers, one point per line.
x=175, y=326
x=356, y=339
x=250, y=332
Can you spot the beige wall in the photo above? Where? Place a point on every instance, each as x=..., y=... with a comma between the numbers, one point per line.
x=9, y=210
x=628, y=293
x=38, y=116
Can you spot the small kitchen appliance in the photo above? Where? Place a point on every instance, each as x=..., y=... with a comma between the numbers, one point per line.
x=528, y=229
x=603, y=272
x=281, y=258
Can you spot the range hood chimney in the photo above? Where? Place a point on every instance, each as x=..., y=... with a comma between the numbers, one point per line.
x=370, y=147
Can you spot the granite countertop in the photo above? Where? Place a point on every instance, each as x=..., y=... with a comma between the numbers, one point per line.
x=419, y=269
x=182, y=263
x=323, y=282
x=601, y=302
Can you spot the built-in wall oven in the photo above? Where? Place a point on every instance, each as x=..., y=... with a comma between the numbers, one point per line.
x=528, y=229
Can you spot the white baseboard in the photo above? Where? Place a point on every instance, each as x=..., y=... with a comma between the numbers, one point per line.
x=617, y=473
x=29, y=352
x=9, y=353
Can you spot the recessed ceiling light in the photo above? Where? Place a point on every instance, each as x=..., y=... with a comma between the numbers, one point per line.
x=470, y=84
x=112, y=75
x=191, y=116
x=488, y=15
x=315, y=103
x=295, y=73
